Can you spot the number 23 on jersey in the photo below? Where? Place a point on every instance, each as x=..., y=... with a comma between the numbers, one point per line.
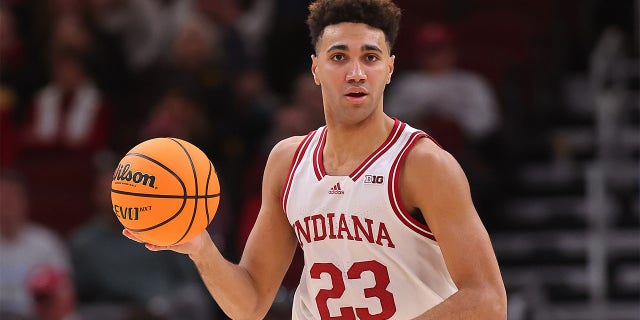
x=379, y=290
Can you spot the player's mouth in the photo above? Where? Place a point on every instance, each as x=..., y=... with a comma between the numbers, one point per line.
x=356, y=95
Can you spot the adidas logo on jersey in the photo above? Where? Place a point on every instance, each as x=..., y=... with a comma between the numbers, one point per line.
x=336, y=189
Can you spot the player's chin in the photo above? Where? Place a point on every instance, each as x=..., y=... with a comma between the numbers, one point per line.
x=355, y=115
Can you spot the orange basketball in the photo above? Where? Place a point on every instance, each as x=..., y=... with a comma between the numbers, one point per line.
x=165, y=191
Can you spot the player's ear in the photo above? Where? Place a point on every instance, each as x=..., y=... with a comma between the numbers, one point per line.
x=314, y=66
x=392, y=60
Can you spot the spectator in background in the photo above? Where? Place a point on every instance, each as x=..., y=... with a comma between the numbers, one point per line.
x=53, y=293
x=14, y=80
x=254, y=27
x=49, y=22
x=109, y=271
x=67, y=123
x=70, y=111
x=15, y=83
x=177, y=115
x=138, y=24
x=46, y=16
x=226, y=16
x=24, y=246
x=70, y=31
x=200, y=63
x=458, y=107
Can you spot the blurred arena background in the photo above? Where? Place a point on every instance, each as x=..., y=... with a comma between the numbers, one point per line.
x=538, y=99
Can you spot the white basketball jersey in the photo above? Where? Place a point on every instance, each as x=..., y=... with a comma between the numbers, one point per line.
x=365, y=256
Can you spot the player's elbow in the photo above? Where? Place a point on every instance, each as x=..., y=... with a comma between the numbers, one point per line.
x=487, y=302
x=500, y=308
x=246, y=314
x=250, y=309
x=496, y=303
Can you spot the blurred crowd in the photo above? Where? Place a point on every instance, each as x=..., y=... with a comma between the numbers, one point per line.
x=83, y=81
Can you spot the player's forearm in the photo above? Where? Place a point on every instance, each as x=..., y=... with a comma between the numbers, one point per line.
x=230, y=285
x=470, y=304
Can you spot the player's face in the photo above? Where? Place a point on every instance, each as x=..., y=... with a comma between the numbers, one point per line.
x=353, y=65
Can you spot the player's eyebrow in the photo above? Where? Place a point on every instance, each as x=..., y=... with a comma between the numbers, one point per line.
x=370, y=47
x=365, y=47
x=342, y=47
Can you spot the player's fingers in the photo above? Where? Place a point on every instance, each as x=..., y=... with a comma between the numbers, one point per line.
x=153, y=247
x=149, y=246
x=130, y=235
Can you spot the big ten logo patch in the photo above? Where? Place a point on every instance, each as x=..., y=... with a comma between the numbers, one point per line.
x=371, y=179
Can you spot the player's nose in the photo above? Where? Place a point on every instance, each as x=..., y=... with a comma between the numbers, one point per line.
x=356, y=72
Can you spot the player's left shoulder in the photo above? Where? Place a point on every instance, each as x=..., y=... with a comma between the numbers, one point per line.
x=427, y=158
x=426, y=153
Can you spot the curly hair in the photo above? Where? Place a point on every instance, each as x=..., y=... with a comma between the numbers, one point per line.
x=381, y=14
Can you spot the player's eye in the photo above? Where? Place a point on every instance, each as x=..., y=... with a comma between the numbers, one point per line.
x=338, y=57
x=371, y=58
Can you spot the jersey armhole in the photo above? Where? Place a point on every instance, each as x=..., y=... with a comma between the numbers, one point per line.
x=394, y=188
x=295, y=161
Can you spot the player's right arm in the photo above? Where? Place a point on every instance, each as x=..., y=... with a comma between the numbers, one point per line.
x=246, y=290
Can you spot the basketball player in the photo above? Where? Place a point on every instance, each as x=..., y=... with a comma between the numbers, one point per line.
x=383, y=214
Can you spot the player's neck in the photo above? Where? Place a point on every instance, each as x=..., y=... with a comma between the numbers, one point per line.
x=348, y=145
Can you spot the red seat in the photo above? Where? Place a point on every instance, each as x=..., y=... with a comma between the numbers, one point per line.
x=59, y=184
x=491, y=42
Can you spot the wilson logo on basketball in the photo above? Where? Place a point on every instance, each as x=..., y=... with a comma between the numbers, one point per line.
x=124, y=173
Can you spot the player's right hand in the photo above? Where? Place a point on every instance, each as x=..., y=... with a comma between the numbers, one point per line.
x=191, y=247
